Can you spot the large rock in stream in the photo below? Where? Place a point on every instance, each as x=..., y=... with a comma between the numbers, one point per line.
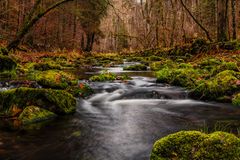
x=33, y=105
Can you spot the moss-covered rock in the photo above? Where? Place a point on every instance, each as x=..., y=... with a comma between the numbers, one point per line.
x=224, y=83
x=219, y=145
x=136, y=67
x=184, y=76
x=196, y=145
x=46, y=66
x=56, y=101
x=236, y=100
x=7, y=64
x=33, y=114
x=108, y=76
x=181, y=145
x=54, y=79
x=156, y=66
x=82, y=90
x=165, y=75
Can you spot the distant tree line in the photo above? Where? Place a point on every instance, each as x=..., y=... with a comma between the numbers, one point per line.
x=115, y=25
x=165, y=23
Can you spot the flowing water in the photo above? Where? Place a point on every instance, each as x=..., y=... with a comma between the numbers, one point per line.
x=121, y=121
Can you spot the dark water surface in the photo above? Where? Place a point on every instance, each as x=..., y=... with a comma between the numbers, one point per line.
x=120, y=122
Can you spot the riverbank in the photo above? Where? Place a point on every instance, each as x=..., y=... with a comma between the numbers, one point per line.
x=210, y=71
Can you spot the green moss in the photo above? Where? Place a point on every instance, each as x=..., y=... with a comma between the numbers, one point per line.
x=236, y=100
x=82, y=90
x=56, y=101
x=108, y=76
x=136, y=67
x=155, y=58
x=180, y=145
x=53, y=79
x=185, y=77
x=33, y=114
x=3, y=51
x=224, y=83
x=8, y=74
x=46, y=66
x=230, y=45
x=219, y=145
x=196, y=145
x=165, y=75
x=156, y=66
x=7, y=64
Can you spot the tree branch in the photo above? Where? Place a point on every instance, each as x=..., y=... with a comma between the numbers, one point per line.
x=198, y=23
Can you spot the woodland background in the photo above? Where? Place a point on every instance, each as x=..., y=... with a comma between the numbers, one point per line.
x=117, y=25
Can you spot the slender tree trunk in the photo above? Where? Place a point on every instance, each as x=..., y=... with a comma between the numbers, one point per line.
x=174, y=22
x=222, y=20
x=234, y=25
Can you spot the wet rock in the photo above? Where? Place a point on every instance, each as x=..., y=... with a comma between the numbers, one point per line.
x=54, y=79
x=56, y=101
x=33, y=114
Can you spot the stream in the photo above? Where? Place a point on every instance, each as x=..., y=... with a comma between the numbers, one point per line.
x=121, y=121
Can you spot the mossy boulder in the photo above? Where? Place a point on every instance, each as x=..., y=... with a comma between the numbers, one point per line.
x=7, y=64
x=219, y=145
x=46, y=66
x=82, y=90
x=236, y=100
x=156, y=66
x=224, y=83
x=180, y=145
x=54, y=79
x=136, y=67
x=165, y=75
x=185, y=77
x=34, y=114
x=196, y=145
x=16, y=100
x=108, y=76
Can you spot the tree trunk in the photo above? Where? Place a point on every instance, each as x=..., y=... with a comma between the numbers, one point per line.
x=30, y=22
x=90, y=41
x=196, y=21
x=234, y=25
x=174, y=22
x=222, y=20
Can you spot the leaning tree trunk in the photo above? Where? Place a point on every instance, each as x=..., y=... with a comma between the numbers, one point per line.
x=30, y=22
x=222, y=20
x=196, y=21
